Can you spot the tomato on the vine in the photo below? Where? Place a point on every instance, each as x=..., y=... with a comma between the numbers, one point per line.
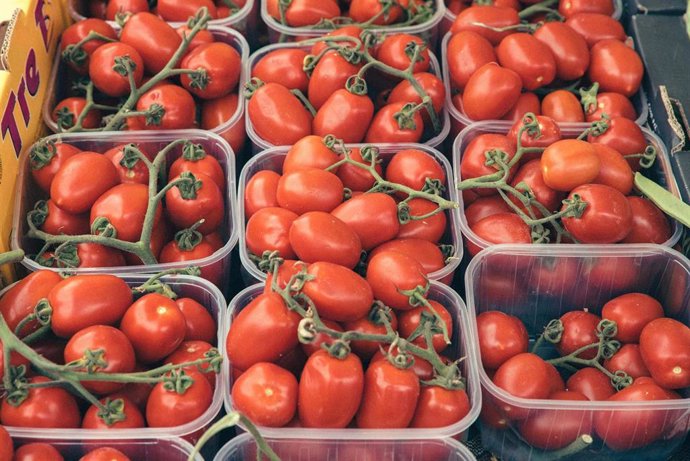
x=266, y=394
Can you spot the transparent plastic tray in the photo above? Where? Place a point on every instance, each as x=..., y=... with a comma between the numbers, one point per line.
x=459, y=120
x=278, y=33
x=272, y=159
x=463, y=345
x=598, y=274
x=661, y=172
x=259, y=144
x=244, y=448
x=56, y=87
x=28, y=193
x=185, y=286
x=238, y=21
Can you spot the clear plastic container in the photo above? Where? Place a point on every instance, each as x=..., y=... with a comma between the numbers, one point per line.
x=460, y=120
x=240, y=21
x=540, y=283
x=57, y=90
x=272, y=159
x=186, y=287
x=463, y=345
x=661, y=172
x=279, y=33
x=449, y=17
x=28, y=193
x=74, y=446
x=243, y=448
x=259, y=144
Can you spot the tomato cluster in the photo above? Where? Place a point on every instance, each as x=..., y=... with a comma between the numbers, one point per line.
x=163, y=87
x=502, y=74
x=301, y=211
x=630, y=352
x=349, y=88
x=168, y=10
x=99, y=324
x=110, y=194
x=557, y=172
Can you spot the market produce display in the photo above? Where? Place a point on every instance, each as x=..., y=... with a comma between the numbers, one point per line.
x=168, y=10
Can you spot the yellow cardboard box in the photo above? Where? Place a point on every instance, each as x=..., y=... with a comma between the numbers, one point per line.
x=29, y=33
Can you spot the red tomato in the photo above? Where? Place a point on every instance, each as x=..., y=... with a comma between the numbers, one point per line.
x=563, y=106
x=178, y=109
x=203, y=200
x=491, y=92
x=136, y=173
x=613, y=105
x=410, y=320
x=501, y=336
x=555, y=429
x=524, y=375
x=606, y=219
x=665, y=349
x=105, y=454
x=268, y=229
x=422, y=368
x=167, y=408
x=439, y=407
x=473, y=163
x=389, y=398
x=616, y=67
x=133, y=417
x=366, y=10
x=321, y=338
x=568, y=47
x=202, y=36
x=373, y=217
x=309, y=189
x=174, y=10
x=6, y=446
x=172, y=252
x=430, y=83
x=190, y=351
x=218, y=112
x=530, y=174
x=330, y=74
x=305, y=12
x=386, y=128
x=355, y=178
x=629, y=360
x=109, y=75
x=485, y=206
x=330, y=390
x=84, y=300
x=424, y=252
x=309, y=152
x=467, y=51
x=277, y=115
x=79, y=31
x=500, y=228
x=37, y=452
x=494, y=17
x=154, y=39
x=579, y=330
x=222, y=65
x=266, y=394
x=392, y=51
x=595, y=27
x=391, y=273
x=125, y=207
x=592, y=383
x=320, y=236
x=370, y=325
x=344, y=115
x=44, y=407
x=431, y=228
x=67, y=113
x=162, y=233
x=569, y=163
x=632, y=312
x=69, y=189
x=549, y=132
x=568, y=8
x=338, y=293
x=260, y=192
x=529, y=58
x=120, y=8
x=614, y=170
x=263, y=331
x=283, y=66
x=625, y=136
x=412, y=167
x=199, y=163
x=649, y=223
x=57, y=221
x=45, y=161
x=200, y=324
x=626, y=430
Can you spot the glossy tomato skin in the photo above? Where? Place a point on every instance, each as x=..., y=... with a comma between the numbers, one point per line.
x=81, y=180
x=310, y=189
x=568, y=8
x=222, y=64
x=629, y=360
x=428, y=255
x=392, y=52
x=37, y=451
x=310, y=152
x=266, y=394
x=431, y=228
x=103, y=75
x=411, y=319
x=79, y=302
x=439, y=407
x=555, y=429
x=373, y=217
x=549, y=133
x=391, y=272
x=263, y=331
x=208, y=204
x=338, y=293
x=368, y=325
x=139, y=173
x=530, y=174
x=430, y=83
x=78, y=31
x=496, y=17
x=530, y=58
x=330, y=390
x=189, y=351
x=665, y=349
x=527, y=102
x=592, y=383
x=569, y=163
x=20, y=300
x=344, y=115
x=485, y=206
x=6, y=446
x=172, y=252
x=44, y=407
x=632, y=312
x=501, y=336
x=125, y=208
x=200, y=324
x=133, y=417
x=321, y=338
x=606, y=219
x=179, y=108
x=268, y=229
x=612, y=104
x=568, y=47
x=614, y=170
x=68, y=111
x=44, y=174
x=355, y=178
x=153, y=38
x=330, y=74
x=95, y=255
x=202, y=37
x=579, y=330
x=167, y=408
x=467, y=51
x=616, y=67
x=491, y=92
x=173, y=10
x=219, y=111
x=320, y=236
x=305, y=12
x=625, y=136
x=389, y=398
x=412, y=167
x=105, y=454
x=595, y=27
x=500, y=228
x=563, y=106
x=207, y=165
x=649, y=224
x=283, y=66
x=277, y=115
x=524, y=375
x=384, y=128
x=473, y=160
x=260, y=192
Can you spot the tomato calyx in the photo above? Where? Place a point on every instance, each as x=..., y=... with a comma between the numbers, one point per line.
x=41, y=154
x=39, y=214
x=193, y=152
x=66, y=255
x=588, y=98
x=647, y=158
x=112, y=411
x=102, y=227
x=542, y=7
x=75, y=53
x=188, y=239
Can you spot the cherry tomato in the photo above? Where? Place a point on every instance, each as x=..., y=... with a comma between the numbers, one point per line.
x=410, y=320
x=366, y=10
x=595, y=27
x=304, y=12
x=649, y=224
x=530, y=174
x=579, y=330
x=664, y=345
x=266, y=394
x=412, y=167
x=167, y=408
x=37, y=452
x=58, y=221
x=592, y=383
x=320, y=236
x=529, y=58
x=430, y=83
x=132, y=417
x=309, y=152
x=106, y=70
x=309, y=189
x=44, y=407
x=222, y=65
x=473, y=163
x=201, y=163
x=72, y=192
x=277, y=115
x=569, y=163
x=439, y=407
x=568, y=8
x=568, y=47
x=373, y=217
x=629, y=360
x=216, y=113
x=117, y=8
x=283, y=66
x=501, y=336
x=84, y=300
x=430, y=228
x=154, y=39
x=422, y=368
x=202, y=201
x=321, y=338
x=177, y=109
x=625, y=136
x=125, y=207
x=549, y=132
x=268, y=229
x=202, y=37
x=492, y=16
x=200, y=324
x=491, y=92
x=613, y=105
x=344, y=115
x=485, y=206
x=105, y=454
x=67, y=113
x=370, y=324
x=263, y=331
x=355, y=178
x=46, y=161
x=614, y=170
x=563, y=106
x=500, y=228
x=330, y=74
x=392, y=51
x=616, y=67
x=555, y=429
x=260, y=192
x=632, y=312
x=426, y=253
x=190, y=351
x=173, y=252
x=606, y=219
x=524, y=375
x=467, y=52
x=6, y=446
x=390, y=274
x=386, y=128
x=527, y=103
x=79, y=31
x=330, y=390
x=136, y=173
x=174, y=10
